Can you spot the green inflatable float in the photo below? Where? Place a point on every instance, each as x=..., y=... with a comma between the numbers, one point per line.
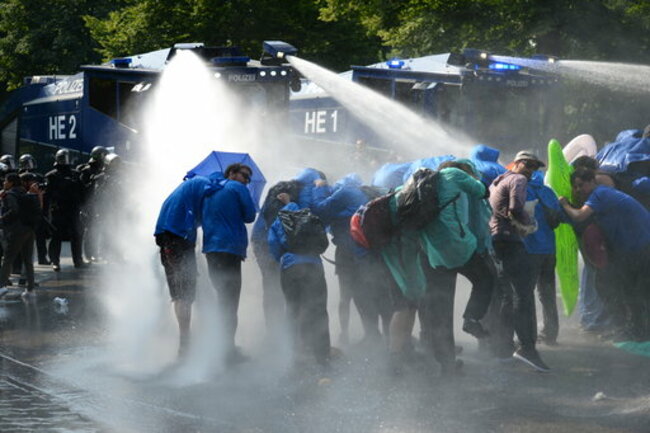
x=558, y=178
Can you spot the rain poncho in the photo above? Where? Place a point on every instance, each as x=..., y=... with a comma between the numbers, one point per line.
x=180, y=213
x=433, y=163
x=448, y=241
x=485, y=159
x=306, y=178
x=335, y=206
x=403, y=257
x=390, y=175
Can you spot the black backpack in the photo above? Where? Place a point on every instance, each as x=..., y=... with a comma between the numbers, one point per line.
x=305, y=232
x=29, y=209
x=418, y=203
x=272, y=205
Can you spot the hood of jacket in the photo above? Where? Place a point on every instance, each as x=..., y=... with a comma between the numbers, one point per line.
x=352, y=180
x=308, y=176
x=485, y=153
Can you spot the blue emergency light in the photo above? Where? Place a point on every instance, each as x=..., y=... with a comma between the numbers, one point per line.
x=503, y=67
x=121, y=62
x=395, y=63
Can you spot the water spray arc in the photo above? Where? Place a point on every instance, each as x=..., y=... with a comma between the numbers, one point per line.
x=624, y=76
x=409, y=134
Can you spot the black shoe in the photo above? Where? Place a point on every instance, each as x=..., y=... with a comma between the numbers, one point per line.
x=44, y=262
x=82, y=265
x=474, y=327
x=532, y=358
x=56, y=267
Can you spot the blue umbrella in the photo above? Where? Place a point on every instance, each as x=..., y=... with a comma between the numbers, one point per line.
x=217, y=162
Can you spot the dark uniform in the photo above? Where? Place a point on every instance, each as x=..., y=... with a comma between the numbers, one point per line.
x=88, y=174
x=62, y=202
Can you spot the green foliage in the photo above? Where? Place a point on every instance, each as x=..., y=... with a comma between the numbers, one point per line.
x=38, y=38
x=586, y=29
x=145, y=25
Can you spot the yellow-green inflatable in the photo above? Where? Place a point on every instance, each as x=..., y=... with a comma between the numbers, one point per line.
x=558, y=178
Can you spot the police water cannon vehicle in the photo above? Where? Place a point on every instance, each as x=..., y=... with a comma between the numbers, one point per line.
x=497, y=103
x=99, y=105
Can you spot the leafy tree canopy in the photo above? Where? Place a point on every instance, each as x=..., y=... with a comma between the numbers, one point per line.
x=584, y=29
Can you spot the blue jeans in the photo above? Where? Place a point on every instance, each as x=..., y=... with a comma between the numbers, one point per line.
x=593, y=316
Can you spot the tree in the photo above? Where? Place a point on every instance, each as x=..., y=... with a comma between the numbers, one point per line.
x=588, y=29
x=38, y=38
x=145, y=25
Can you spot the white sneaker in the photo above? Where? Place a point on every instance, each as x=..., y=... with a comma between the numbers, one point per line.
x=3, y=291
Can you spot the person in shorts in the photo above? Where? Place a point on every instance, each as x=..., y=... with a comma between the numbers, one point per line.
x=175, y=234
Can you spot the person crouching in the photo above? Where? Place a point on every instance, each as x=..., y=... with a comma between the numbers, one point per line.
x=303, y=283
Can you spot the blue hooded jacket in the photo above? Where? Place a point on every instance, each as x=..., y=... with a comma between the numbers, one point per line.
x=485, y=159
x=224, y=215
x=279, y=247
x=390, y=175
x=433, y=163
x=307, y=178
x=543, y=240
x=180, y=213
x=336, y=206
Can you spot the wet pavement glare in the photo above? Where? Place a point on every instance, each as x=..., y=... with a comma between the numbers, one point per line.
x=53, y=379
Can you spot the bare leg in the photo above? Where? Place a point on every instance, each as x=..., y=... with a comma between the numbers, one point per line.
x=401, y=328
x=183, y=310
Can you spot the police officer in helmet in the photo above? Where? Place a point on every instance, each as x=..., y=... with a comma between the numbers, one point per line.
x=62, y=202
x=108, y=188
x=10, y=162
x=88, y=175
x=26, y=163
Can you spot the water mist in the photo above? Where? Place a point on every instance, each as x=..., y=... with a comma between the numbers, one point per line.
x=409, y=134
x=624, y=76
x=190, y=115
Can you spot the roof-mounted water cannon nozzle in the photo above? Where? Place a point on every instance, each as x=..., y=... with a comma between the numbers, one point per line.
x=275, y=52
x=470, y=58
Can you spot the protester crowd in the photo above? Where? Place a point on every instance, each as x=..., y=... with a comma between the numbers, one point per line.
x=399, y=246
x=44, y=211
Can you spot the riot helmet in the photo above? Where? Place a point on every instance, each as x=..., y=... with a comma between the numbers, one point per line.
x=98, y=154
x=27, y=162
x=62, y=157
x=112, y=161
x=9, y=161
x=4, y=169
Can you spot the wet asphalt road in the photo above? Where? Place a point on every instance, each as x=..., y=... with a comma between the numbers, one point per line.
x=52, y=379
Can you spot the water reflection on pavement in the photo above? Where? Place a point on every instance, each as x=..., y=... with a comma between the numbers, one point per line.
x=55, y=377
